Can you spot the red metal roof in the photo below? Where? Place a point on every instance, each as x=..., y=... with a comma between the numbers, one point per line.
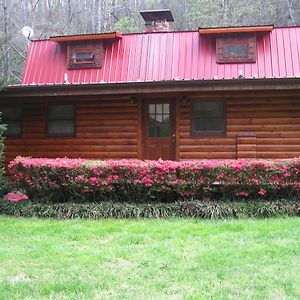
x=166, y=56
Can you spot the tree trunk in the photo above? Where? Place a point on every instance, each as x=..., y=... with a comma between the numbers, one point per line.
x=291, y=13
x=5, y=47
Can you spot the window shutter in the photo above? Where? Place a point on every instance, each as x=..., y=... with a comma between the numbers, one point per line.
x=252, y=49
x=99, y=56
x=220, y=49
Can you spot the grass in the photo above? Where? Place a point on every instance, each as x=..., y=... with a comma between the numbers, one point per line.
x=149, y=259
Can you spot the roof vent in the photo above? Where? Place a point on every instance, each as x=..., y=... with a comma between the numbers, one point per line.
x=157, y=20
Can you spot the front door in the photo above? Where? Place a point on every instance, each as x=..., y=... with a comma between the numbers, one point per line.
x=159, y=129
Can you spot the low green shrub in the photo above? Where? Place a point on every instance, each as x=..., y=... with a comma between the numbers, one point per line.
x=63, y=179
x=191, y=209
x=4, y=186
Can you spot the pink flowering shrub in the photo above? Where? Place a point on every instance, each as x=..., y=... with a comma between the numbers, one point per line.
x=136, y=180
x=15, y=197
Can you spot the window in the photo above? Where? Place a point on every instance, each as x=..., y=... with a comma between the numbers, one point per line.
x=11, y=116
x=236, y=50
x=85, y=55
x=208, y=118
x=61, y=120
x=159, y=120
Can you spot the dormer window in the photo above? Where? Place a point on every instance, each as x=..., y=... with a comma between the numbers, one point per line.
x=86, y=50
x=82, y=56
x=236, y=44
x=236, y=49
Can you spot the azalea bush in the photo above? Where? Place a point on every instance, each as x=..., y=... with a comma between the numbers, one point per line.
x=15, y=196
x=63, y=179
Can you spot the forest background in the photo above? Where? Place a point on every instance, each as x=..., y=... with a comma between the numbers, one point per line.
x=61, y=17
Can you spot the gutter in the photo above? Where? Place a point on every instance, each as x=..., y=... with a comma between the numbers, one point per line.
x=162, y=87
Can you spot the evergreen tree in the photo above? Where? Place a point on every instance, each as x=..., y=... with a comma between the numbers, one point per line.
x=3, y=182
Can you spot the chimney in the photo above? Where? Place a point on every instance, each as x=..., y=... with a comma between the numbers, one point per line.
x=157, y=20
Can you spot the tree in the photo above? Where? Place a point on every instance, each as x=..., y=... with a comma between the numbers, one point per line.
x=3, y=182
x=126, y=25
x=2, y=78
x=59, y=17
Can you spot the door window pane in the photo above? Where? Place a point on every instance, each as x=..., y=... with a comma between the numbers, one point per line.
x=166, y=108
x=151, y=108
x=159, y=120
x=159, y=108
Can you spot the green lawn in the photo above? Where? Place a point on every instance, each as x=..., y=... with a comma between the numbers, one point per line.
x=149, y=259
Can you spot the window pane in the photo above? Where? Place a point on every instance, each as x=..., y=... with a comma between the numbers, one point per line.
x=211, y=125
x=208, y=117
x=61, y=112
x=207, y=109
x=159, y=108
x=61, y=127
x=166, y=108
x=236, y=50
x=152, y=108
x=159, y=131
x=152, y=120
x=152, y=131
x=11, y=116
x=83, y=56
x=159, y=120
x=11, y=113
x=165, y=128
x=13, y=128
x=61, y=119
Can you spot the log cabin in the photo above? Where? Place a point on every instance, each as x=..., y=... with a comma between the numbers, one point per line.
x=211, y=93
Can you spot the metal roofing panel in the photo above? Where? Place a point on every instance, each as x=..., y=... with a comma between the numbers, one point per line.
x=165, y=56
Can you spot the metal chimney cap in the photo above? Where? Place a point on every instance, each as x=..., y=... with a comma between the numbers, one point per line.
x=157, y=15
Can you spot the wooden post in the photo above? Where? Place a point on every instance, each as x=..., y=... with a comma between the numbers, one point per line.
x=177, y=131
x=139, y=129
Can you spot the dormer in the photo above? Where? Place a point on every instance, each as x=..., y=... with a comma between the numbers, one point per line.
x=86, y=51
x=235, y=44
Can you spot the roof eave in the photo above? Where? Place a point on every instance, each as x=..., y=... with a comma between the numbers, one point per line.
x=178, y=86
x=241, y=29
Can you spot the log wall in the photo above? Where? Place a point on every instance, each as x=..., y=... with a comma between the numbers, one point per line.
x=104, y=129
x=266, y=127
x=110, y=128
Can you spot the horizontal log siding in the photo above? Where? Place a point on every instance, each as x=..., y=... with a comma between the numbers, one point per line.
x=104, y=129
x=274, y=122
x=108, y=128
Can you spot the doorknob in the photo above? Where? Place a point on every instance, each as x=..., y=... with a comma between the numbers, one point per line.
x=173, y=137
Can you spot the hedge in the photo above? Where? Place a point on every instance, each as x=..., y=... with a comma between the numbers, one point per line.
x=160, y=181
x=193, y=209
